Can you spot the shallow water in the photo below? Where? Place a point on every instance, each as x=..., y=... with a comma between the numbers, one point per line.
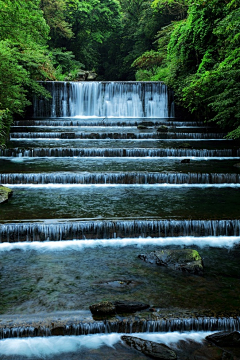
x=200, y=165
x=40, y=279
x=131, y=201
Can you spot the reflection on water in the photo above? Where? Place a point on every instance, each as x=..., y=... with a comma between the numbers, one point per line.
x=115, y=201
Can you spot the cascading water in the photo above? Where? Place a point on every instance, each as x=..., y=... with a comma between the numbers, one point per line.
x=104, y=176
x=105, y=99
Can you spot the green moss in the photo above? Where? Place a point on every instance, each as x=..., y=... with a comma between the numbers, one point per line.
x=5, y=194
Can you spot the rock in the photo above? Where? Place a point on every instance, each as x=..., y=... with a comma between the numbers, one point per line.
x=162, y=128
x=186, y=260
x=68, y=135
x=129, y=306
x=150, y=348
x=91, y=76
x=5, y=194
x=119, y=284
x=237, y=165
x=103, y=308
x=142, y=127
x=223, y=338
x=185, y=161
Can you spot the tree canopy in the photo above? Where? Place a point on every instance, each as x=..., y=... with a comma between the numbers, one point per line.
x=192, y=45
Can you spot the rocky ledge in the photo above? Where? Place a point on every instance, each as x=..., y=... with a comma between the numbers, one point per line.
x=5, y=194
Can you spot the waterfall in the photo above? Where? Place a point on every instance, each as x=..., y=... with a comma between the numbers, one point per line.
x=105, y=99
x=120, y=178
x=117, y=152
x=110, y=229
x=114, y=135
x=125, y=326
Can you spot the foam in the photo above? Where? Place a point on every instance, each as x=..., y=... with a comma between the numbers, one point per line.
x=56, y=345
x=213, y=241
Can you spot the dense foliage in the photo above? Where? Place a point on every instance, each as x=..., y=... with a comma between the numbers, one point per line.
x=192, y=45
x=200, y=59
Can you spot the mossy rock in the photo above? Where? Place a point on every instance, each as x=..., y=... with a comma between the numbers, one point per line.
x=5, y=194
x=103, y=308
x=162, y=128
x=142, y=127
x=186, y=260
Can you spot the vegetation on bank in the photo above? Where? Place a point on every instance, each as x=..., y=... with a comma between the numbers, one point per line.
x=198, y=56
x=191, y=45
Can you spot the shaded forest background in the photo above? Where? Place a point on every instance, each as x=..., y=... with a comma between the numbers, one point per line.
x=193, y=46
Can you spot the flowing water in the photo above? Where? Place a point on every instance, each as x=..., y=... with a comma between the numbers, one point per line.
x=91, y=191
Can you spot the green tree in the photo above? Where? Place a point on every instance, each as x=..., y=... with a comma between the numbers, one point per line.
x=24, y=60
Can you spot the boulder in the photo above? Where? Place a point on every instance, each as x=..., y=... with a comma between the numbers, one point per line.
x=129, y=306
x=150, y=348
x=225, y=339
x=186, y=260
x=185, y=161
x=103, y=308
x=162, y=128
x=142, y=127
x=5, y=194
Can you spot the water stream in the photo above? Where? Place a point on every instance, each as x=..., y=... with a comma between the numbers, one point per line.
x=92, y=189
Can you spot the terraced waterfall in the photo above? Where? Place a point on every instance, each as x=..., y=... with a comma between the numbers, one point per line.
x=102, y=173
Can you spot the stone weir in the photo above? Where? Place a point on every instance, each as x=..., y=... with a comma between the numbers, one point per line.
x=118, y=152
x=108, y=99
x=110, y=229
x=120, y=178
x=63, y=325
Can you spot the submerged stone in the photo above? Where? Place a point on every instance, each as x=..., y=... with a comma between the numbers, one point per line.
x=5, y=194
x=118, y=284
x=186, y=260
x=150, y=348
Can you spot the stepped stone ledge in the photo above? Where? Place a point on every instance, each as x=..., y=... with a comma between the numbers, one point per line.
x=82, y=323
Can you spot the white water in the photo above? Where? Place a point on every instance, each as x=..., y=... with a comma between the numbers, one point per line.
x=108, y=99
x=57, y=345
x=165, y=185
x=78, y=245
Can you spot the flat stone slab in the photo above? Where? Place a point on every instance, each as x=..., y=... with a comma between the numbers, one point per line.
x=150, y=348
